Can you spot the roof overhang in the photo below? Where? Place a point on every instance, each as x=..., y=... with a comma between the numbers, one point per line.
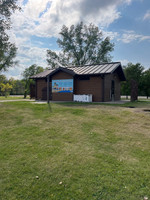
x=63, y=69
x=120, y=72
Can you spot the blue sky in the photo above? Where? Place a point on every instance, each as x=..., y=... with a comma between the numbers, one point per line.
x=36, y=28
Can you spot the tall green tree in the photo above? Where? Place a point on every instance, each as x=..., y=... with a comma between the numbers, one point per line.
x=7, y=49
x=80, y=45
x=32, y=70
x=132, y=72
x=28, y=72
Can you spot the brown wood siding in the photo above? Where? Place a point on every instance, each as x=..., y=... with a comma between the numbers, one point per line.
x=117, y=87
x=41, y=88
x=107, y=87
x=62, y=96
x=92, y=86
x=61, y=75
x=32, y=91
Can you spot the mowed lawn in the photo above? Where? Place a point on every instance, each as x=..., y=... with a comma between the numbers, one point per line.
x=74, y=151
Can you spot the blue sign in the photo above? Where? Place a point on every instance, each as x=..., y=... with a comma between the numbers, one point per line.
x=62, y=86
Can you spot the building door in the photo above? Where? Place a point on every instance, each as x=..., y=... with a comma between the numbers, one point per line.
x=44, y=93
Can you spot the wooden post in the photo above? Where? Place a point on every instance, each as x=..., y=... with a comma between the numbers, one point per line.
x=48, y=89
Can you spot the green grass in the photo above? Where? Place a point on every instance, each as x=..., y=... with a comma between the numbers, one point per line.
x=136, y=104
x=12, y=97
x=78, y=151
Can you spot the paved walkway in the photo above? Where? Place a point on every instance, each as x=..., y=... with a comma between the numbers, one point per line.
x=44, y=102
x=109, y=102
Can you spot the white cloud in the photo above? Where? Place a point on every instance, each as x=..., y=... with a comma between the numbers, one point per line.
x=130, y=36
x=44, y=18
x=27, y=54
x=69, y=12
x=124, y=62
x=147, y=15
x=32, y=55
x=33, y=8
x=110, y=34
x=9, y=75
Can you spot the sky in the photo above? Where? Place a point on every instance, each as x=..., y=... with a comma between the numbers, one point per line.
x=36, y=28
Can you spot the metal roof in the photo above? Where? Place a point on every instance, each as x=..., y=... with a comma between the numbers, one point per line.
x=104, y=68
x=42, y=74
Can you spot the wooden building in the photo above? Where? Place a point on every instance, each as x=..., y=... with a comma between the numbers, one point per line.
x=61, y=84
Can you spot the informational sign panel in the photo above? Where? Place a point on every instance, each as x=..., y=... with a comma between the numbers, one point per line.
x=62, y=86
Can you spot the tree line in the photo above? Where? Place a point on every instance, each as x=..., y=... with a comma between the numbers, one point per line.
x=11, y=86
x=19, y=87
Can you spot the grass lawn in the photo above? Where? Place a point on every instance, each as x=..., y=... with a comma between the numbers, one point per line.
x=75, y=152
x=12, y=97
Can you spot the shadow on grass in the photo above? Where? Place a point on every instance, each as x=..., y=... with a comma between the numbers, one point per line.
x=49, y=107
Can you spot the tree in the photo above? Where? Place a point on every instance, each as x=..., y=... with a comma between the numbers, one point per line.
x=32, y=70
x=81, y=44
x=5, y=89
x=132, y=72
x=18, y=87
x=3, y=78
x=7, y=49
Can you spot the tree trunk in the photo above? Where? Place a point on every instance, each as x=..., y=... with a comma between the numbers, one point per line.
x=134, y=90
